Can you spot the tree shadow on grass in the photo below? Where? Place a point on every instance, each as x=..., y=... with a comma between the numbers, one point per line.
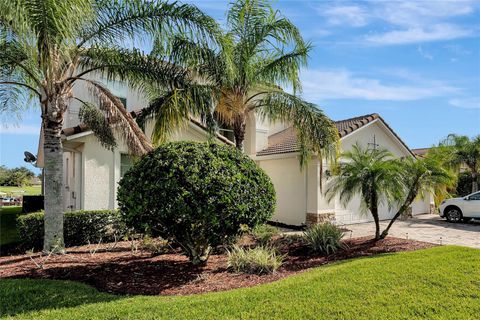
x=19, y=296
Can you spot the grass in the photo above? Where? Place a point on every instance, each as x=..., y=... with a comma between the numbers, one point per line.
x=8, y=227
x=14, y=191
x=437, y=283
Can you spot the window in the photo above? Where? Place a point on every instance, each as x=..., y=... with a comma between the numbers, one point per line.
x=225, y=129
x=118, y=88
x=126, y=162
x=124, y=101
x=475, y=196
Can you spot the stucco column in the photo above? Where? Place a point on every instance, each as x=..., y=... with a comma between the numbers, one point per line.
x=318, y=208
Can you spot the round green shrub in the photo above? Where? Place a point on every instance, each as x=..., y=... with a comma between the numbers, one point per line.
x=197, y=194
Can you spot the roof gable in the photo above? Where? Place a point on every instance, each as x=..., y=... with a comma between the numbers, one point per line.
x=286, y=141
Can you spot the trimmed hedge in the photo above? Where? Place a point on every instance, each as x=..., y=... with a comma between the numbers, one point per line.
x=80, y=227
x=198, y=194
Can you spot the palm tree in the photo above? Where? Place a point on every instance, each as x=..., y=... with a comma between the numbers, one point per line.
x=371, y=173
x=420, y=177
x=462, y=151
x=48, y=46
x=261, y=53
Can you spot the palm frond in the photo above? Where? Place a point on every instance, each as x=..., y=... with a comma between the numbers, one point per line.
x=174, y=109
x=283, y=69
x=117, y=116
x=316, y=133
x=141, y=71
x=210, y=65
x=118, y=21
x=18, y=78
x=96, y=121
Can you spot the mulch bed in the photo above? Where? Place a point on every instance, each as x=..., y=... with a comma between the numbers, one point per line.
x=122, y=271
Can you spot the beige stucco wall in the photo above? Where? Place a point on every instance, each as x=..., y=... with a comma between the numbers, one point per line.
x=135, y=100
x=352, y=212
x=100, y=167
x=290, y=187
x=299, y=192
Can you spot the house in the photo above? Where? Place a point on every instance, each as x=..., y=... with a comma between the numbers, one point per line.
x=300, y=199
x=92, y=172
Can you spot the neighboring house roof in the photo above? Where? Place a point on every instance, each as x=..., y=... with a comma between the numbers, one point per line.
x=285, y=141
x=83, y=128
x=420, y=152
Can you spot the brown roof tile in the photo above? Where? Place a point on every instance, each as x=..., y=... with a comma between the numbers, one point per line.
x=420, y=152
x=286, y=141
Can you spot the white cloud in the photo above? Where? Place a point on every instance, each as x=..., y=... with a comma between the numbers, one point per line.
x=409, y=21
x=424, y=53
x=327, y=84
x=19, y=129
x=420, y=13
x=351, y=15
x=418, y=34
x=467, y=103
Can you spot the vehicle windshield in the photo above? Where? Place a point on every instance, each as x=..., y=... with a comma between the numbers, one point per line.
x=474, y=196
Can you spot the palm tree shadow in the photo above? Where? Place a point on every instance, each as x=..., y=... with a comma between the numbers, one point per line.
x=26, y=295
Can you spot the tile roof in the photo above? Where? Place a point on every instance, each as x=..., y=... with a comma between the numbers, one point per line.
x=286, y=141
x=420, y=152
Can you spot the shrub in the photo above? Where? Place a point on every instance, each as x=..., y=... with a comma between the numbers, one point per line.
x=324, y=238
x=258, y=260
x=264, y=233
x=154, y=245
x=197, y=194
x=80, y=227
x=464, y=184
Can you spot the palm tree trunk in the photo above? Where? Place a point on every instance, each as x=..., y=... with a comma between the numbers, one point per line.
x=408, y=201
x=374, y=211
x=239, y=128
x=53, y=169
x=474, y=181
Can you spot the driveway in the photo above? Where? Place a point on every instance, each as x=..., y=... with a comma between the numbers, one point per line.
x=428, y=228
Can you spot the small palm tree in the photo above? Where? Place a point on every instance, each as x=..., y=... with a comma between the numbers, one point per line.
x=261, y=53
x=46, y=47
x=373, y=174
x=420, y=177
x=461, y=151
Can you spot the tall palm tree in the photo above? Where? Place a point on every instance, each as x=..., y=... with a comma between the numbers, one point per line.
x=261, y=54
x=47, y=46
x=420, y=177
x=462, y=151
x=372, y=174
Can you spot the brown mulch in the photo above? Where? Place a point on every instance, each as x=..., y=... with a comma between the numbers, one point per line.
x=122, y=271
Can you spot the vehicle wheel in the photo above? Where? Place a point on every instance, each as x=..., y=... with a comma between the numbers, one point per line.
x=453, y=215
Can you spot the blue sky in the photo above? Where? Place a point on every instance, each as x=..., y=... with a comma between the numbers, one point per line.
x=416, y=63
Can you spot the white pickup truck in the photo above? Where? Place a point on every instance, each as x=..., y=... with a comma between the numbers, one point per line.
x=461, y=209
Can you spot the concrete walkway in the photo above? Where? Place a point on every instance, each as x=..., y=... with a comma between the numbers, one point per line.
x=428, y=228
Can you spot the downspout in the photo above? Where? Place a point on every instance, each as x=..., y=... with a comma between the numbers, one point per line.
x=306, y=194
x=113, y=182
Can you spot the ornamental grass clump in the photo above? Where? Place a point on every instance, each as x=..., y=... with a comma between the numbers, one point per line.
x=324, y=238
x=258, y=260
x=264, y=233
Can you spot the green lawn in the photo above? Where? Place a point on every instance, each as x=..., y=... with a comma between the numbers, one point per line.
x=16, y=191
x=438, y=283
x=8, y=228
